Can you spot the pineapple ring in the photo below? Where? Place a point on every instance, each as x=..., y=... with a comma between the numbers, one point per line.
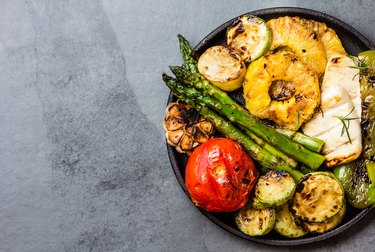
x=303, y=41
x=331, y=42
x=281, y=66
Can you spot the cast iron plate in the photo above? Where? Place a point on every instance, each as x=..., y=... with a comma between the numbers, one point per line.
x=354, y=42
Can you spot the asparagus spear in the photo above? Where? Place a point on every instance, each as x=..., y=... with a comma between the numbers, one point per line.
x=194, y=95
x=237, y=114
x=187, y=54
x=311, y=143
x=262, y=156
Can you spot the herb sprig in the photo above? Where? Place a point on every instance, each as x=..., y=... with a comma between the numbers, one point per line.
x=346, y=124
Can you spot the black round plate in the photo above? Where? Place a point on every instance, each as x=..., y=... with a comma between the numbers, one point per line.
x=354, y=42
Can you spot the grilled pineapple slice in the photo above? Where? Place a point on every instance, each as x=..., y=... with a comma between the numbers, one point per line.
x=331, y=42
x=280, y=87
x=304, y=42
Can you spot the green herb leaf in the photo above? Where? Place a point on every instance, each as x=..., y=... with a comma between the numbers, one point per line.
x=346, y=124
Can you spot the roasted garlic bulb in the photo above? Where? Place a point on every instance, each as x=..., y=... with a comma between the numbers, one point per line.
x=184, y=128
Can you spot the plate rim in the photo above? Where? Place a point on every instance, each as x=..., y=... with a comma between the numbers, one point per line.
x=274, y=242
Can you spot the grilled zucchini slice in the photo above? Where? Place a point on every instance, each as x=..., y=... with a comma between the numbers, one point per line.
x=250, y=36
x=223, y=67
x=255, y=222
x=275, y=188
x=319, y=196
x=257, y=204
x=285, y=224
x=327, y=225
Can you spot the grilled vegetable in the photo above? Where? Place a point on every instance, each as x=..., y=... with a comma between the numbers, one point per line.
x=331, y=42
x=319, y=196
x=285, y=224
x=250, y=36
x=304, y=42
x=235, y=113
x=311, y=143
x=223, y=67
x=327, y=225
x=220, y=175
x=184, y=128
x=359, y=191
x=281, y=88
x=275, y=188
x=257, y=204
x=367, y=82
x=262, y=156
x=255, y=222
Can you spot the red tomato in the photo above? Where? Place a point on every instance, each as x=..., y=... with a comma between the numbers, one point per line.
x=220, y=175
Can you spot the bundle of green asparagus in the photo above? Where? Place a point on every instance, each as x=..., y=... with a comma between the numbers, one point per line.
x=271, y=148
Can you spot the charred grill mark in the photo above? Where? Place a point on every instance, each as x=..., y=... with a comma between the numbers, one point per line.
x=233, y=55
x=236, y=22
x=245, y=181
x=298, y=97
x=260, y=226
x=335, y=60
x=240, y=29
x=301, y=185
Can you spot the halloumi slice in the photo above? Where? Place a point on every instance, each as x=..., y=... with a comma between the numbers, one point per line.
x=325, y=125
x=342, y=71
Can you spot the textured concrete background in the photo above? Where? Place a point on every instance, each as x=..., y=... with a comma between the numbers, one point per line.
x=83, y=165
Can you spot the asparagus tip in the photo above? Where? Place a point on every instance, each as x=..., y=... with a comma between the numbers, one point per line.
x=166, y=77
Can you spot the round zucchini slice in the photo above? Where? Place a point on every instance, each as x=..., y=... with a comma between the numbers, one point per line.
x=257, y=204
x=250, y=36
x=319, y=196
x=275, y=188
x=327, y=225
x=255, y=222
x=285, y=224
x=223, y=67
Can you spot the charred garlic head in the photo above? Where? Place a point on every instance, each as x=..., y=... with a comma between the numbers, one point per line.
x=184, y=128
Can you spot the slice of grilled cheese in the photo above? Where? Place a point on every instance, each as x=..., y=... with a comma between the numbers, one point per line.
x=342, y=143
x=341, y=71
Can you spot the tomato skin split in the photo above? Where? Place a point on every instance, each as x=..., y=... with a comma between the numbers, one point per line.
x=220, y=175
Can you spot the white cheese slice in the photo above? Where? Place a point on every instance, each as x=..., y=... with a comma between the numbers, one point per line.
x=338, y=148
x=341, y=71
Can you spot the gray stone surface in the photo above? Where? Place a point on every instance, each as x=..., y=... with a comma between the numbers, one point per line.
x=83, y=165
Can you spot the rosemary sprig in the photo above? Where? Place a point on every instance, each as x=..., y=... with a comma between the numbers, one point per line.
x=360, y=64
x=346, y=124
x=321, y=110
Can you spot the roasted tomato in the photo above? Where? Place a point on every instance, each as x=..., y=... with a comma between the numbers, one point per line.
x=220, y=175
